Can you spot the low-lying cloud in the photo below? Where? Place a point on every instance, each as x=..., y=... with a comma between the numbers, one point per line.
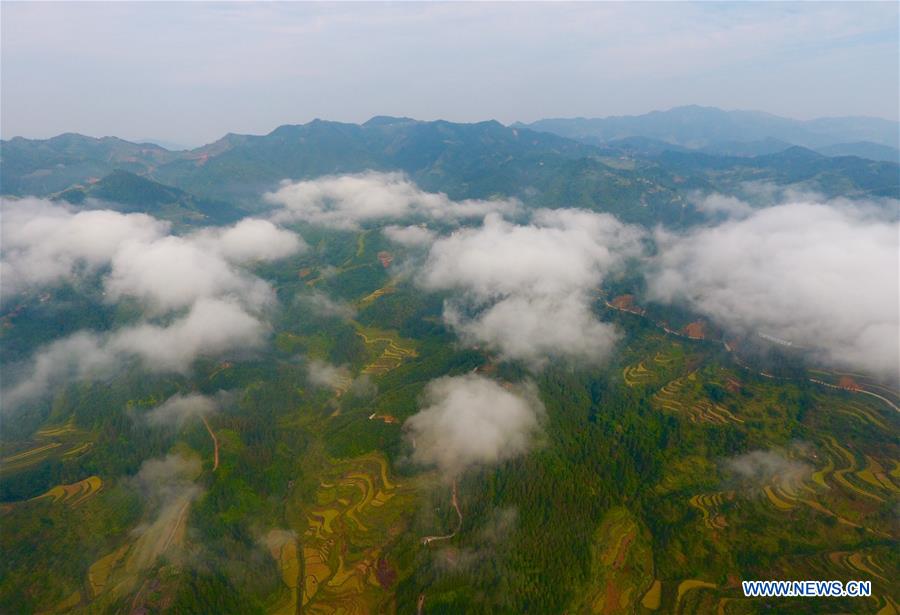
x=763, y=467
x=212, y=327
x=349, y=201
x=45, y=243
x=321, y=304
x=525, y=290
x=488, y=539
x=410, y=236
x=324, y=374
x=469, y=421
x=825, y=277
x=198, y=297
x=179, y=409
x=168, y=487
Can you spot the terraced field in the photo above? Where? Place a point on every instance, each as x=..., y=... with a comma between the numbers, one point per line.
x=621, y=569
x=682, y=397
x=708, y=505
x=75, y=493
x=651, y=370
x=390, y=349
x=283, y=547
x=359, y=510
x=376, y=294
x=64, y=441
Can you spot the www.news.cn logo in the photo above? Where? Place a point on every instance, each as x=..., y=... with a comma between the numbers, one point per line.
x=806, y=589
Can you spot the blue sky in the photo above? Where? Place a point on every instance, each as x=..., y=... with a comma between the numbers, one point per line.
x=188, y=73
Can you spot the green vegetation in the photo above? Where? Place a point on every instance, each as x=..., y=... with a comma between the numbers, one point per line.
x=630, y=502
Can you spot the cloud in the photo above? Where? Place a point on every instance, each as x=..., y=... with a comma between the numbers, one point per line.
x=275, y=539
x=348, y=201
x=251, y=240
x=823, y=276
x=339, y=378
x=174, y=272
x=179, y=408
x=536, y=328
x=44, y=243
x=721, y=205
x=168, y=486
x=412, y=236
x=762, y=467
x=323, y=374
x=322, y=304
x=203, y=301
x=470, y=421
x=211, y=327
x=525, y=289
x=496, y=530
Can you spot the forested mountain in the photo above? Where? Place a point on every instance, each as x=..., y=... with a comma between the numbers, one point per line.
x=639, y=180
x=129, y=193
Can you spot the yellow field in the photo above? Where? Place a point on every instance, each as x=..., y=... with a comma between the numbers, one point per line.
x=394, y=349
x=635, y=375
x=706, y=503
x=74, y=494
x=358, y=510
x=65, y=440
x=690, y=585
x=368, y=299
x=621, y=568
x=675, y=397
x=282, y=546
x=653, y=597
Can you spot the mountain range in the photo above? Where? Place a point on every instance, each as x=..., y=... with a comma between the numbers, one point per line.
x=619, y=165
x=736, y=132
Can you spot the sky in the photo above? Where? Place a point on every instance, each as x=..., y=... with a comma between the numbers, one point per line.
x=188, y=73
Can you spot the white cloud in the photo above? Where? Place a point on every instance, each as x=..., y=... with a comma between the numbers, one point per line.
x=470, y=420
x=414, y=236
x=322, y=304
x=525, y=289
x=347, y=201
x=174, y=272
x=168, y=486
x=769, y=466
x=324, y=374
x=822, y=276
x=218, y=305
x=250, y=240
x=211, y=327
x=538, y=327
x=721, y=205
x=43, y=242
x=180, y=408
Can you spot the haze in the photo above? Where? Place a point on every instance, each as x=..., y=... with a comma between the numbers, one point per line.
x=186, y=74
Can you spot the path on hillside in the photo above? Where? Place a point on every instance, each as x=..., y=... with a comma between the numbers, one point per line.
x=454, y=500
x=215, y=443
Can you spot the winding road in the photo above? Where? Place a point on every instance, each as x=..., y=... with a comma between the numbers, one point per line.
x=454, y=500
x=731, y=351
x=215, y=443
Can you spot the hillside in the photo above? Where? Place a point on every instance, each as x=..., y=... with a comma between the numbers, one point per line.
x=639, y=180
x=129, y=193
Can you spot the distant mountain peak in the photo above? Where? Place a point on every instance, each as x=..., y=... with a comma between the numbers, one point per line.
x=388, y=120
x=701, y=127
